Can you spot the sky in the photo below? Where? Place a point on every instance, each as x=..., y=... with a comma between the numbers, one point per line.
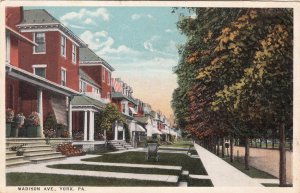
x=139, y=42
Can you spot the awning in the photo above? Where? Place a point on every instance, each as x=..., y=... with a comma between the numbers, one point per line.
x=156, y=131
x=60, y=110
x=132, y=110
x=165, y=131
x=139, y=128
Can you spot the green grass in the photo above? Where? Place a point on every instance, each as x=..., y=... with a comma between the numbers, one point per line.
x=115, y=169
x=194, y=166
x=100, y=152
x=36, y=179
x=180, y=143
x=200, y=182
x=252, y=172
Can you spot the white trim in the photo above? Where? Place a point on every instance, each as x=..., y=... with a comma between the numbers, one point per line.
x=75, y=55
x=20, y=25
x=39, y=66
x=7, y=56
x=63, y=69
x=48, y=30
x=33, y=51
x=64, y=54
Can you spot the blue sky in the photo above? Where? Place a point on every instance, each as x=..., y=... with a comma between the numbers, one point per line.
x=139, y=42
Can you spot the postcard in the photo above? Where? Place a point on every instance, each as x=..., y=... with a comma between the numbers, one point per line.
x=149, y=96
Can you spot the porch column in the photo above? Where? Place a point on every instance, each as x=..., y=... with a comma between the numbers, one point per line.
x=116, y=131
x=85, y=126
x=70, y=117
x=123, y=133
x=40, y=132
x=92, y=128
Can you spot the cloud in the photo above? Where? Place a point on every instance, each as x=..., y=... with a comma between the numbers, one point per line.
x=104, y=45
x=85, y=16
x=77, y=26
x=148, y=46
x=139, y=16
x=168, y=30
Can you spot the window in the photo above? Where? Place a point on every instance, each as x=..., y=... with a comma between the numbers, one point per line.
x=39, y=70
x=62, y=45
x=108, y=78
x=82, y=86
x=123, y=108
x=39, y=38
x=63, y=76
x=74, y=53
x=103, y=75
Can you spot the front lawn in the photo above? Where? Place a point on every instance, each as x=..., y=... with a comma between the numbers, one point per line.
x=37, y=179
x=193, y=165
x=120, y=169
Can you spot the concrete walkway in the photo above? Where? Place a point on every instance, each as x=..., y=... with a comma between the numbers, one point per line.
x=223, y=174
x=42, y=168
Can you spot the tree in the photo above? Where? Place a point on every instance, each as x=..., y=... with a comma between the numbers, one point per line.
x=106, y=118
x=236, y=67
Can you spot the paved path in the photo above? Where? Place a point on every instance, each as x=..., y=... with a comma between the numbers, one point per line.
x=42, y=168
x=223, y=174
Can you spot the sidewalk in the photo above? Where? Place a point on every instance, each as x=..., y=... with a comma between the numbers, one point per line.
x=223, y=174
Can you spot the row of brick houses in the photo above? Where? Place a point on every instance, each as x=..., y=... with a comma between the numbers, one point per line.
x=50, y=70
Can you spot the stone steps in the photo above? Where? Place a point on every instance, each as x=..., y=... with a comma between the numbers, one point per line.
x=47, y=159
x=35, y=151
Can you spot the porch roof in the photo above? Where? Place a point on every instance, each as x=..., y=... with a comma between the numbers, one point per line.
x=38, y=81
x=83, y=100
x=143, y=119
x=120, y=95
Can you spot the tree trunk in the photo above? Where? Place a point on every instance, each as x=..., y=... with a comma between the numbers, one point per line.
x=218, y=146
x=282, y=163
x=260, y=142
x=223, y=147
x=231, y=148
x=266, y=143
x=246, y=153
x=273, y=143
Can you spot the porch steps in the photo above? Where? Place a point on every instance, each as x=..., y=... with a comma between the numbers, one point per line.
x=13, y=160
x=120, y=145
x=34, y=152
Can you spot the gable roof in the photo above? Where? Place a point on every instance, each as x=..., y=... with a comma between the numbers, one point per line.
x=83, y=100
x=121, y=96
x=86, y=55
x=36, y=18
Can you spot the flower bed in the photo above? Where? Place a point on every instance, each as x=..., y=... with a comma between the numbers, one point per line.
x=69, y=150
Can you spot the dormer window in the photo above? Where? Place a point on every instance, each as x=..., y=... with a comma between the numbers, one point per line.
x=63, y=45
x=39, y=38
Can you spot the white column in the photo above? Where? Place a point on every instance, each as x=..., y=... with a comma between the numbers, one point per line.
x=40, y=132
x=116, y=130
x=123, y=133
x=92, y=128
x=70, y=117
x=85, y=126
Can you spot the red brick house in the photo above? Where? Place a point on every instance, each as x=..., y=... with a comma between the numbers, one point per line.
x=37, y=73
